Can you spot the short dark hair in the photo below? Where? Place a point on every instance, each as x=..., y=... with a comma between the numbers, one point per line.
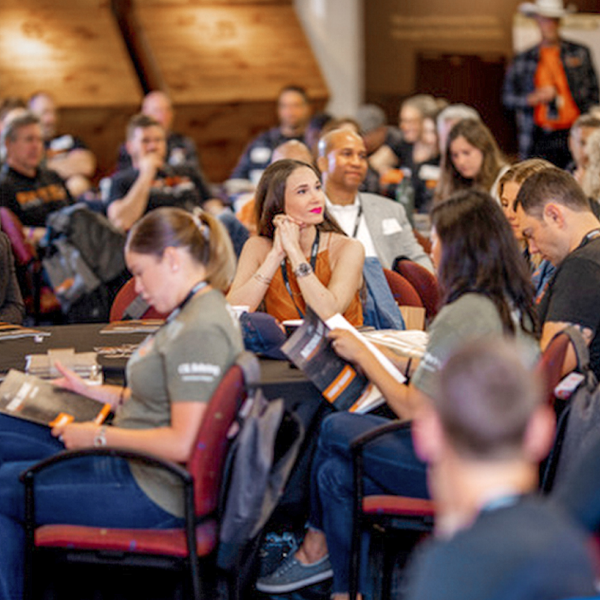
x=140, y=121
x=551, y=185
x=294, y=88
x=486, y=399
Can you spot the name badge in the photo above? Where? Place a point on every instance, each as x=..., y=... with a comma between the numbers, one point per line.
x=390, y=226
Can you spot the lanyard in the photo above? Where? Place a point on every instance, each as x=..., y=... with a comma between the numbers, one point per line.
x=592, y=235
x=199, y=286
x=501, y=502
x=313, y=261
x=358, y=217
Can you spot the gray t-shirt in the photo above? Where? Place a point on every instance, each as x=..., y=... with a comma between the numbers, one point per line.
x=183, y=362
x=471, y=316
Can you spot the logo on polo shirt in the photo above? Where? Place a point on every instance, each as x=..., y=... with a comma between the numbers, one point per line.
x=198, y=371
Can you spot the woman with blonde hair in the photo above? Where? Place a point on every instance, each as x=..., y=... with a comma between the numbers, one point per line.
x=590, y=181
x=508, y=188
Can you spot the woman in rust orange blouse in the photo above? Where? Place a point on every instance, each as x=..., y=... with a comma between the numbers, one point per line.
x=300, y=256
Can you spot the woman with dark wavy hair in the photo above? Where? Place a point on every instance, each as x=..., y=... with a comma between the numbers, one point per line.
x=487, y=292
x=472, y=160
x=300, y=256
x=477, y=254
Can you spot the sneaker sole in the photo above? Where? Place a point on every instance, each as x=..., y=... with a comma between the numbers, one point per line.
x=284, y=588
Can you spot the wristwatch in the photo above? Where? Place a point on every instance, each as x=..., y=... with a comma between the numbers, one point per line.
x=100, y=437
x=302, y=270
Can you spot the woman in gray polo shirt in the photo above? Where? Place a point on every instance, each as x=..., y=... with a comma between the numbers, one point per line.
x=182, y=262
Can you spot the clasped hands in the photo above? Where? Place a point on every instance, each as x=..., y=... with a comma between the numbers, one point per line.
x=286, y=238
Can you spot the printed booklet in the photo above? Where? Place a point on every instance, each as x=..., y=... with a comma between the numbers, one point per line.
x=38, y=400
x=340, y=382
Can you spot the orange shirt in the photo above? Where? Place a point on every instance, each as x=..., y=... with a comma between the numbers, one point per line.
x=279, y=303
x=550, y=71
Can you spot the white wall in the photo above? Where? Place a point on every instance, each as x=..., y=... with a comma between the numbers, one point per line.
x=335, y=30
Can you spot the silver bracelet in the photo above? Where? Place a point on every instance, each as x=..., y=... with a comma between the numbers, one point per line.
x=262, y=279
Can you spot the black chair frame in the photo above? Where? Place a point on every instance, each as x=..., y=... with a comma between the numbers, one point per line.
x=419, y=524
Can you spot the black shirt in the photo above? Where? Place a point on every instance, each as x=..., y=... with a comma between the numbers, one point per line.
x=573, y=294
x=172, y=186
x=524, y=551
x=32, y=199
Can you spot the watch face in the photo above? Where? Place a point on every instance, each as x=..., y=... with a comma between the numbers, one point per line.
x=303, y=270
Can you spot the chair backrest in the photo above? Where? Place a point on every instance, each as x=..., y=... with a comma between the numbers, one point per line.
x=210, y=449
x=403, y=291
x=424, y=282
x=550, y=365
x=23, y=251
x=423, y=241
x=125, y=298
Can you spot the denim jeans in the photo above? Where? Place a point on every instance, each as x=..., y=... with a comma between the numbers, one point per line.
x=390, y=464
x=94, y=491
x=380, y=309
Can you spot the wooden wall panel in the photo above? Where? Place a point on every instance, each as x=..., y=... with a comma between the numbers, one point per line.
x=222, y=131
x=228, y=53
x=223, y=66
x=223, y=63
x=72, y=48
x=213, y=2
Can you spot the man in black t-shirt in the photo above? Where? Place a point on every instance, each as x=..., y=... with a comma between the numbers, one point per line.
x=557, y=221
x=293, y=112
x=31, y=191
x=483, y=436
x=151, y=182
x=65, y=153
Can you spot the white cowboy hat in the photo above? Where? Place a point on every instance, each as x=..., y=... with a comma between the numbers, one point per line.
x=554, y=9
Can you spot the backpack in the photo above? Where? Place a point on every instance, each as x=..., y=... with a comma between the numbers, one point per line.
x=579, y=422
x=258, y=465
x=84, y=261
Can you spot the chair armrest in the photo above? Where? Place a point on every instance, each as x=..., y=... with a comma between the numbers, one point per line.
x=357, y=444
x=145, y=458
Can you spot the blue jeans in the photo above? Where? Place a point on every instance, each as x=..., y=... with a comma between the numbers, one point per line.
x=391, y=467
x=94, y=491
x=380, y=309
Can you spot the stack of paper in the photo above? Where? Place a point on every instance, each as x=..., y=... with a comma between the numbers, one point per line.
x=85, y=364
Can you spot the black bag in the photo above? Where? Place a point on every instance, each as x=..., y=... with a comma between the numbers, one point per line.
x=84, y=261
x=579, y=421
x=259, y=462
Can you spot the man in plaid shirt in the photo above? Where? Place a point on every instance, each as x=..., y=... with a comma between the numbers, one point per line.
x=549, y=86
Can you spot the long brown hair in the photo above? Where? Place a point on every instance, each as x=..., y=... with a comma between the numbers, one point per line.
x=201, y=234
x=480, y=254
x=270, y=197
x=480, y=137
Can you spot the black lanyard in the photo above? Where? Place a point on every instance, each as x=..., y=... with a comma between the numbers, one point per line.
x=199, y=286
x=313, y=261
x=358, y=217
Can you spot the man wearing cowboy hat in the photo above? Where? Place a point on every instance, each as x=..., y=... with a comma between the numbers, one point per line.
x=549, y=86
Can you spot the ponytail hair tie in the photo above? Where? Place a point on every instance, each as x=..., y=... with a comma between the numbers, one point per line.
x=203, y=227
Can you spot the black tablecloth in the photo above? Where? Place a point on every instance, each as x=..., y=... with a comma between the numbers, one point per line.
x=278, y=378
